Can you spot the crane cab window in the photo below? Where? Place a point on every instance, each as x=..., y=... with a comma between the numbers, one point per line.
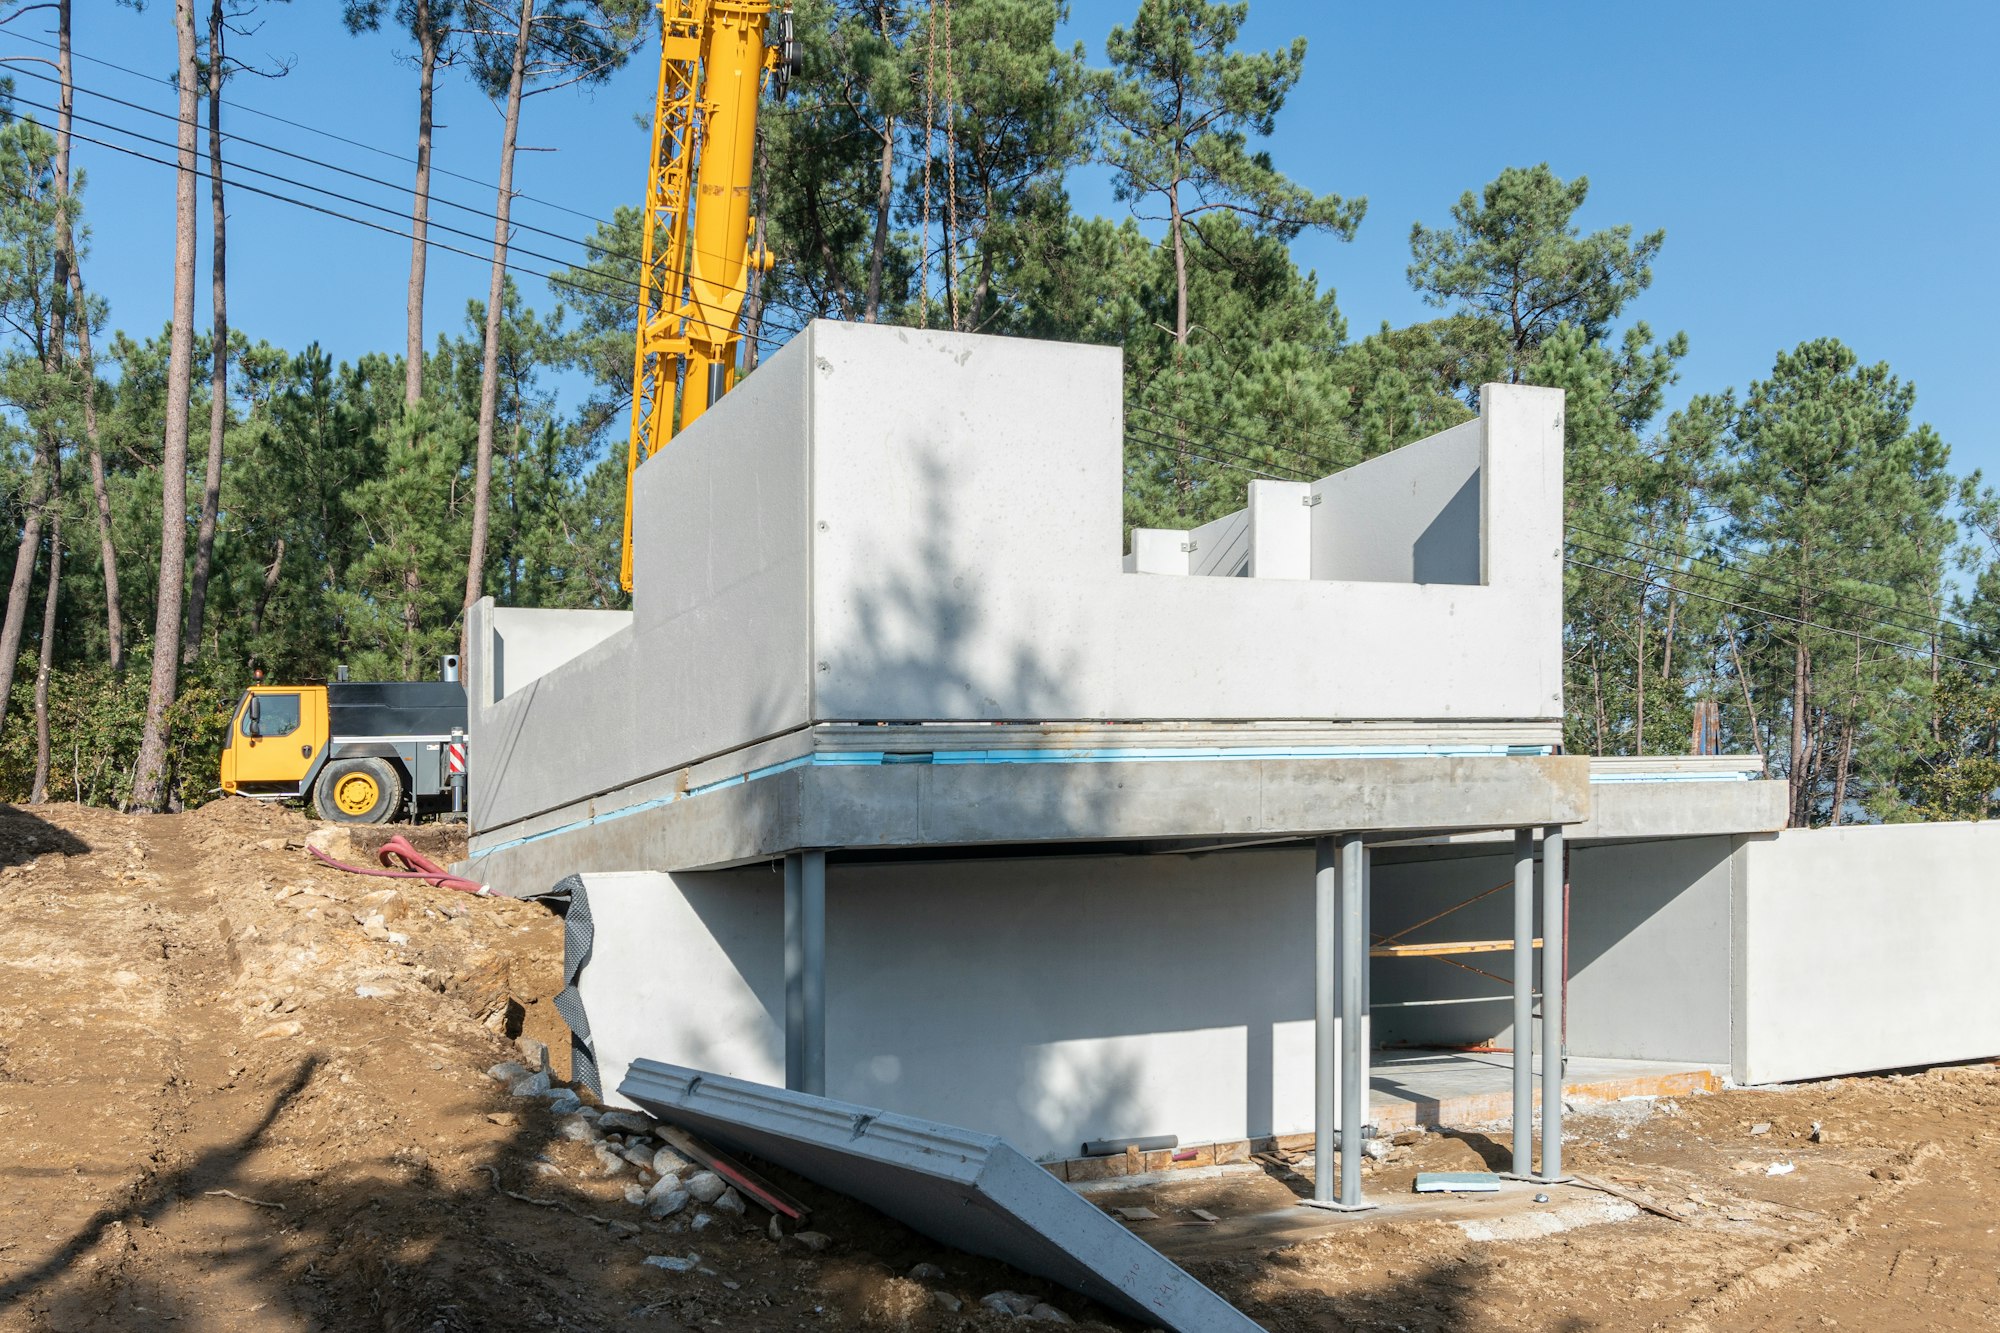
x=269, y=715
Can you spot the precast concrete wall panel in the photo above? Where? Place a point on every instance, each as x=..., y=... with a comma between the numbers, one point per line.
x=1046, y=1001
x=529, y=643
x=1649, y=950
x=1864, y=948
x=1410, y=516
x=1280, y=530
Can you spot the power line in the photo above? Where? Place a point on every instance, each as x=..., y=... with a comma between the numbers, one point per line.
x=1770, y=617
x=549, y=278
x=364, y=203
x=1780, y=580
x=485, y=214
x=312, y=129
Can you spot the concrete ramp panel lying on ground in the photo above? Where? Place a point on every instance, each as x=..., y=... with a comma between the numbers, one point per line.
x=965, y=1189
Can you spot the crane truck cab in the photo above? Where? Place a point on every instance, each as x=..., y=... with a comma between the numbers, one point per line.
x=362, y=752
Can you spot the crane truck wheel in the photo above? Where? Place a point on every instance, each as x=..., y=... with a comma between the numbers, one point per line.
x=358, y=791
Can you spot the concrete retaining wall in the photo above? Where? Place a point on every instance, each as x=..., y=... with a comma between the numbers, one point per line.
x=1865, y=948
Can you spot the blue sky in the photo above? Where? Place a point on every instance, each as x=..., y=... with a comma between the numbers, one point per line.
x=1819, y=169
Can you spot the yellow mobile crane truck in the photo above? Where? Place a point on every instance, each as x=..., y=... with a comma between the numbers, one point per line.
x=362, y=751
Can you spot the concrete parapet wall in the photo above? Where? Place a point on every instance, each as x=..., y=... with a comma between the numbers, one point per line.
x=1865, y=948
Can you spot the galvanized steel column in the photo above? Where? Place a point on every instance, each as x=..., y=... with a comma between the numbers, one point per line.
x=805, y=972
x=1326, y=1056
x=1353, y=1036
x=1552, y=1002
x=1524, y=1001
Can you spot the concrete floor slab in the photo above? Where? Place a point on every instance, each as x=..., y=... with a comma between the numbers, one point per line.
x=1462, y=1089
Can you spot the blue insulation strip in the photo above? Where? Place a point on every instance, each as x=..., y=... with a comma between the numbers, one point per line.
x=1738, y=776
x=1198, y=754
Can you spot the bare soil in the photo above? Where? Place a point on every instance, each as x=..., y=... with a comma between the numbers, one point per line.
x=225, y=1103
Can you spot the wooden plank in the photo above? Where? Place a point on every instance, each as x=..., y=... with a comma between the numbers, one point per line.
x=737, y=1174
x=1442, y=949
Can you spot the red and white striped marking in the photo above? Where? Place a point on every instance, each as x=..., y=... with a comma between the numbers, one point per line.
x=454, y=758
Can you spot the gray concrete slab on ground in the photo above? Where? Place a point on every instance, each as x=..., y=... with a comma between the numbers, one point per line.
x=968, y=1190
x=879, y=806
x=1462, y=1089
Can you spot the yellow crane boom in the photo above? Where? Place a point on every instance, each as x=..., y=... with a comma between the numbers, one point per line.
x=698, y=252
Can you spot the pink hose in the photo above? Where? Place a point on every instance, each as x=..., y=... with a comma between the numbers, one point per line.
x=418, y=866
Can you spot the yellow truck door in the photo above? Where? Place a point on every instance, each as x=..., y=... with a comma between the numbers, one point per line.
x=276, y=734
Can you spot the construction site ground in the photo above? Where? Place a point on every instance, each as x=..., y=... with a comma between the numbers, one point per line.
x=231, y=1097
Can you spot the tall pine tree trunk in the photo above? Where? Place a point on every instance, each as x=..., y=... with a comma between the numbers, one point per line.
x=39, y=792
x=420, y=208
x=1801, y=680
x=107, y=551
x=114, y=618
x=885, y=198
x=19, y=589
x=218, y=380
x=489, y=376
x=149, y=783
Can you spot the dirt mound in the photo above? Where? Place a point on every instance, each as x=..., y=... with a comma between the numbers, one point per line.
x=240, y=1090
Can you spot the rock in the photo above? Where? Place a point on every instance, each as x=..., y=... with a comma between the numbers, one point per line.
x=1375, y=1149
x=507, y=1071
x=334, y=840
x=548, y=1170
x=1405, y=1138
x=701, y=1221
x=626, y=1122
x=591, y=1113
x=373, y=992
x=374, y=929
x=673, y=1263
x=1048, y=1314
x=389, y=904
x=291, y=1028
x=530, y=1085
x=289, y=891
x=816, y=1241
x=666, y=1184
x=635, y=1196
x=505, y=1119
x=729, y=1201
x=621, y=1229
x=1008, y=1302
x=608, y=1158
x=776, y=1231
x=1761, y=1127
x=398, y=939
x=668, y=1162
x=705, y=1185
x=534, y=1054
x=563, y=1102
x=638, y=1155
x=577, y=1127
x=123, y=978
x=947, y=1302
x=668, y=1202
x=927, y=1273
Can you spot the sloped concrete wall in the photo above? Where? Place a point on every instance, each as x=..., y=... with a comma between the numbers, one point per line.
x=1865, y=948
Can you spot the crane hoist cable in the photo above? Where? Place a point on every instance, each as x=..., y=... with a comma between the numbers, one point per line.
x=698, y=232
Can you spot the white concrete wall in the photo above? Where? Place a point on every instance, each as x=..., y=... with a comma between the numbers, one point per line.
x=1045, y=1001
x=1411, y=516
x=1649, y=950
x=1865, y=948
x=527, y=643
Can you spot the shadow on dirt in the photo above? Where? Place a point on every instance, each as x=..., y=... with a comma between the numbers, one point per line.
x=25, y=836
